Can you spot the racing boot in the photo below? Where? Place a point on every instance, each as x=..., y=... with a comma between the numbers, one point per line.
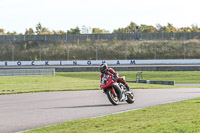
x=127, y=87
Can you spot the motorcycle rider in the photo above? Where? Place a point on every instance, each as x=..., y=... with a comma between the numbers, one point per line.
x=107, y=71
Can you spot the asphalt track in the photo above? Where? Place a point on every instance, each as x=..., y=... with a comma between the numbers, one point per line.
x=19, y=112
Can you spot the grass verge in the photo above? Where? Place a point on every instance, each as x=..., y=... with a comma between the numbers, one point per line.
x=70, y=81
x=181, y=117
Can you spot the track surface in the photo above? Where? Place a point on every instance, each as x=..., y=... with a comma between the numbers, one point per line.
x=21, y=112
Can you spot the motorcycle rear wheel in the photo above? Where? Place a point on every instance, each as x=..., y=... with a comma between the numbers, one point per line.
x=113, y=99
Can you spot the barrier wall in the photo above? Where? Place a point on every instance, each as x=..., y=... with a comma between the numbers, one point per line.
x=97, y=62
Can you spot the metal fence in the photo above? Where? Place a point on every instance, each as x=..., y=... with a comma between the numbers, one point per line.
x=103, y=51
x=73, y=38
x=26, y=72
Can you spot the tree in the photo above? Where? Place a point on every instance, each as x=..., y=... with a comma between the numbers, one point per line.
x=74, y=31
x=185, y=29
x=171, y=28
x=45, y=31
x=11, y=33
x=42, y=30
x=58, y=32
x=119, y=30
x=99, y=31
x=161, y=28
x=38, y=28
x=1, y=31
x=128, y=29
x=195, y=28
x=132, y=27
x=29, y=31
x=147, y=29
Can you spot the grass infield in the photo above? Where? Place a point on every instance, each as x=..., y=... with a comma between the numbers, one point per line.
x=70, y=81
x=181, y=117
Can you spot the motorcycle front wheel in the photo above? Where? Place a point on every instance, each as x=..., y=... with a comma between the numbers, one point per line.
x=130, y=98
x=113, y=99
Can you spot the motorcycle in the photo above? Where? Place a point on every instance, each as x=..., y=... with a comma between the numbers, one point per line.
x=111, y=88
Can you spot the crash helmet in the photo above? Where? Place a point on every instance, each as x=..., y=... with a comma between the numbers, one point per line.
x=103, y=67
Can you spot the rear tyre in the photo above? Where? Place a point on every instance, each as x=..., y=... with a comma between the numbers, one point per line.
x=113, y=99
x=130, y=98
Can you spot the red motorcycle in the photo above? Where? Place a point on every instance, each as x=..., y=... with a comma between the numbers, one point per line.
x=116, y=91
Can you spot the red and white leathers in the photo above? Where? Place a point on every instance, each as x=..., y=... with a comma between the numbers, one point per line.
x=115, y=75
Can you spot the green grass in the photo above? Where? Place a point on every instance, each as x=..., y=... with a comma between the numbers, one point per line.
x=67, y=81
x=177, y=76
x=181, y=117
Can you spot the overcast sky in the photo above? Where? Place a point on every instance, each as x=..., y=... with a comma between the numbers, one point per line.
x=18, y=15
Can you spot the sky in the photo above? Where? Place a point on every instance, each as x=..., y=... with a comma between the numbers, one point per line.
x=19, y=15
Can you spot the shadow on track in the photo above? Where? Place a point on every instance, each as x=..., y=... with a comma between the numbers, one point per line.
x=83, y=106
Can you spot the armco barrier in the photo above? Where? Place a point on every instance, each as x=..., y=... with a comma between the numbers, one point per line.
x=162, y=82
x=130, y=68
x=26, y=72
x=155, y=82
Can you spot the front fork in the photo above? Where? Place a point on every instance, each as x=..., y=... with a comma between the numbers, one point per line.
x=112, y=90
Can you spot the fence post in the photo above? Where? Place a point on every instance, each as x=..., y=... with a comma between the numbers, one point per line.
x=24, y=37
x=40, y=53
x=14, y=39
x=184, y=36
x=13, y=52
x=125, y=52
x=174, y=35
x=40, y=50
x=96, y=53
x=4, y=38
x=184, y=48
x=45, y=38
x=67, y=50
x=162, y=35
x=155, y=52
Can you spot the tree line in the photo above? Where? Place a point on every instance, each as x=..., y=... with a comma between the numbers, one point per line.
x=131, y=28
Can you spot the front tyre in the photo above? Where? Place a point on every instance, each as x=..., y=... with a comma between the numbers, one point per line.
x=130, y=97
x=113, y=99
